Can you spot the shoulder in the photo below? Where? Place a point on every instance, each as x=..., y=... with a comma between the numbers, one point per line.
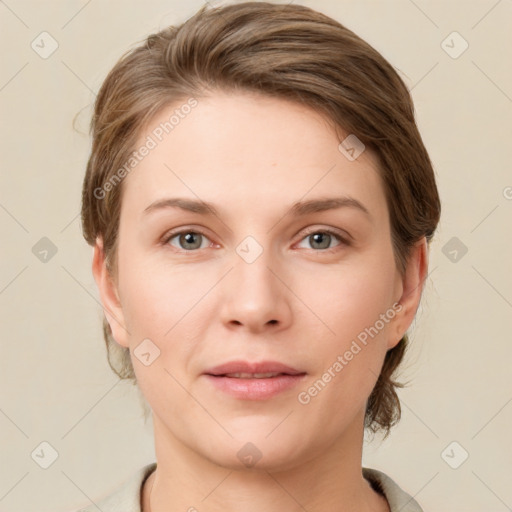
x=397, y=498
x=126, y=497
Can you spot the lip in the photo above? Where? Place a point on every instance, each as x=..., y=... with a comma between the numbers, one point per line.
x=254, y=389
x=253, y=367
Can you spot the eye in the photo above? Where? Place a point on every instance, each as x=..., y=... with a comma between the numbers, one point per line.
x=190, y=240
x=187, y=240
x=322, y=239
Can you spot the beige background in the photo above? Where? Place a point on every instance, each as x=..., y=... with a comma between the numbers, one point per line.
x=56, y=385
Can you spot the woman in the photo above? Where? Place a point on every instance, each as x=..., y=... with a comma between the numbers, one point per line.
x=260, y=204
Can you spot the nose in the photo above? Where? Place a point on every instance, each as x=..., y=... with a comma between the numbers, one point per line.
x=254, y=296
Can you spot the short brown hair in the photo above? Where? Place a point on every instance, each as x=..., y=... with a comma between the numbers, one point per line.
x=284, y=51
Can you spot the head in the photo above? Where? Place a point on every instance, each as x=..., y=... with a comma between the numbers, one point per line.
x=244, y=107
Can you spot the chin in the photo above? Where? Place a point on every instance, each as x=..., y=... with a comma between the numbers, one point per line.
x=256, y=449
x=250, y=457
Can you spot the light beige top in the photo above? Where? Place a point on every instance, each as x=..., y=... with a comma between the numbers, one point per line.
x=127, y=497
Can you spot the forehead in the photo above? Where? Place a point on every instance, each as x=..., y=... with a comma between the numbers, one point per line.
x=246, y=150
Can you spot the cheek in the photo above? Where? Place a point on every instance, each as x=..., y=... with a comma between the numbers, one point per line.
x=168, y=305
x=160, y=305
x=156, y=298
x=348, y=359
x=351, y=298
x=354, y=304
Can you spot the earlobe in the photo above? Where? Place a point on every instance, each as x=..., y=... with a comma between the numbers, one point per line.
x=412, y=287
x=109, y=295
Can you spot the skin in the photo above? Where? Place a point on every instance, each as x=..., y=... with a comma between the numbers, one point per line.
x=253, y=157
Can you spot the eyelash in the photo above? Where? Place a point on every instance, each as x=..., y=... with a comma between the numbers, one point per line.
x=342, y=240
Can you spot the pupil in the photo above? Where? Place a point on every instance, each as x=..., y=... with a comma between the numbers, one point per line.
x=188, y=239
x=321, y=237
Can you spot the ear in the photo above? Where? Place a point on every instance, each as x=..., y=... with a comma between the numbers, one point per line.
x=109, y=295
x=409, y=290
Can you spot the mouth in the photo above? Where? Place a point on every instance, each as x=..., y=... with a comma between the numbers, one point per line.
x=253, y=370
x=257, y=386
x=254, y=375
x=246, y=380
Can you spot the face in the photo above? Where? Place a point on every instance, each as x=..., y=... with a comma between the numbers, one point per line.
x=271, y=271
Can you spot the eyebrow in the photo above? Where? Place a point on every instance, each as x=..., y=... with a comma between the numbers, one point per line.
x=297, y=209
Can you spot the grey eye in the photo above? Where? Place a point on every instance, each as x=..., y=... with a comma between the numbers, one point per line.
x=321, y=240
x=189, y=240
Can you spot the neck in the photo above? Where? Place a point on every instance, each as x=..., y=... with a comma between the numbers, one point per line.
x=187, y=481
